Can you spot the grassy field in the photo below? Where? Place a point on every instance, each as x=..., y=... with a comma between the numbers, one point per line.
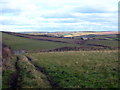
x=47, y=38
x=110, y=43
x=85, y=69
x=68, y=69
x=17, y=43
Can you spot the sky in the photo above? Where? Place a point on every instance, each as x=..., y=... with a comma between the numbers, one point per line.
x=58, y=15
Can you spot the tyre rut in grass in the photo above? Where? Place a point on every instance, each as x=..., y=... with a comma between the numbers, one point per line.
x=40, y=69
x=31, y=77
x=14, y=80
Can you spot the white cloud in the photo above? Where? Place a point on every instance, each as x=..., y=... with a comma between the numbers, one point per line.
x=35, y=15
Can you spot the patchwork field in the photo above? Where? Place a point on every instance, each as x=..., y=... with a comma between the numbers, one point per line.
x=17, y=43
x=41, y=43
x=72, y=34
x=93, y=63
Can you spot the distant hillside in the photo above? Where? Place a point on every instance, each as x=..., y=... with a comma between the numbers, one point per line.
x=72, y=34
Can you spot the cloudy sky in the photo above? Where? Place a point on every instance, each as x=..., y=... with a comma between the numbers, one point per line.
x=58, y=15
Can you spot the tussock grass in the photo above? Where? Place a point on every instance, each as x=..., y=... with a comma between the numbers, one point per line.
x=30, y=77
x=84, y=69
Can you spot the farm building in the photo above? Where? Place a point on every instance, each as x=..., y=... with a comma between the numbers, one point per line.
x=84, y=38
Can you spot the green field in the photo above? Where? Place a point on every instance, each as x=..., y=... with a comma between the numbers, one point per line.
x=17, y=43
x=65, y=69
x=110, y=43
x=109, y=37
x=85, y=69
